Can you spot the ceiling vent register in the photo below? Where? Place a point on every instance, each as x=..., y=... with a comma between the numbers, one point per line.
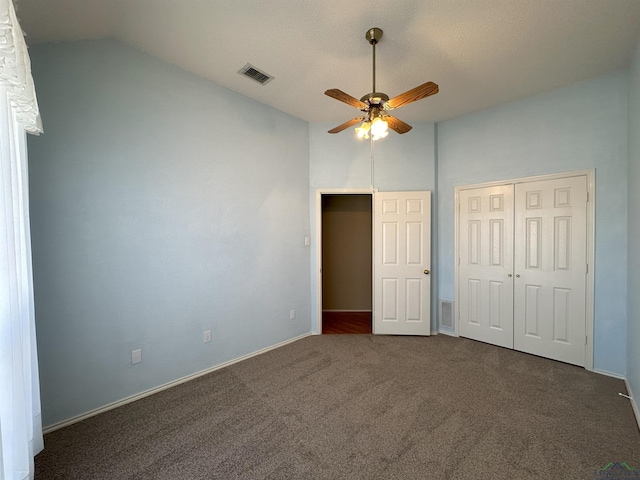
x=256, y=74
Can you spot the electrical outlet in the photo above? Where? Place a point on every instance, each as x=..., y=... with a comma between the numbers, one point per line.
x=207, y=336
x=292, y=314
x=136, y=356
x=307, y=240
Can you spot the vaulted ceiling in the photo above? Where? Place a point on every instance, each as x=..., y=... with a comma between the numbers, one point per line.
x=482, y=53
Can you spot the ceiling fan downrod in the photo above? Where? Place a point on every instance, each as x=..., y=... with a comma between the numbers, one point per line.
x=373, y=36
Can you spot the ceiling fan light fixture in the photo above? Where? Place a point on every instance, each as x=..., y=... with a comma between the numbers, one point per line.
x=379, y=128
x=363, y=130
x=378, y=137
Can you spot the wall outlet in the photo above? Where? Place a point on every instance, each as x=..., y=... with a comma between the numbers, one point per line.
x=136, y=356
x=207, y=336
x=292, y=314
x=307, y=240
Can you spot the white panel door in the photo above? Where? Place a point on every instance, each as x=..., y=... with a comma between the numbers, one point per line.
x=485, y=280
x=402, y=263
x=550, y=268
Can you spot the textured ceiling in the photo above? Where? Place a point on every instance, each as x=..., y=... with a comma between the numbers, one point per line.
x=482, y=53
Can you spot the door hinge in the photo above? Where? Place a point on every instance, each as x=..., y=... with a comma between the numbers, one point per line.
x=586, y=268
x=587, y=196
x=586, y=340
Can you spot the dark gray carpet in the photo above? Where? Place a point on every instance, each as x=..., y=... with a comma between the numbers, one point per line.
x=362, y=407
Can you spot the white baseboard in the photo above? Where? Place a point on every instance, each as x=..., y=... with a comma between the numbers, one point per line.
x=447, y=332
x=151, y=391
x=634, y=405
x=609, y=374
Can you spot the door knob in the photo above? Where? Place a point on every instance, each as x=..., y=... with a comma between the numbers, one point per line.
x=517, y=274
x=426, y=272
x=509, y=275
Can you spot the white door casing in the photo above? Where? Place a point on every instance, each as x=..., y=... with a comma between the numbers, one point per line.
x=486, y=264
x=550, y=268
x=402, y=263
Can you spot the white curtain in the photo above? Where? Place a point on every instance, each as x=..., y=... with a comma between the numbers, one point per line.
x=20, y=420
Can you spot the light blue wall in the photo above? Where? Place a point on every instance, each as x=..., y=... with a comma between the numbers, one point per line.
x=633, y=295
x=402, y=163
x=162, y=205
x=578, y=127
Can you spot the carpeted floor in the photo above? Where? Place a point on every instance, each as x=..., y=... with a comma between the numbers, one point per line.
x=362, y=407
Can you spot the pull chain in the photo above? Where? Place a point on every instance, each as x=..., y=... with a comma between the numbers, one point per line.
x=371, y=186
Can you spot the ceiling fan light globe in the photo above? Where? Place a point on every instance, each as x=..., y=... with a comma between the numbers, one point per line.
x=363, y=130
x=379, y=127
x=382, y=135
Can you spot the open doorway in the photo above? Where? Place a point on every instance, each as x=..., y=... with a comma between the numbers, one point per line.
x=347, y=279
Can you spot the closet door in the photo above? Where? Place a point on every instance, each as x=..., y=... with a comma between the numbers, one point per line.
x=550, y=268
x=485, y=271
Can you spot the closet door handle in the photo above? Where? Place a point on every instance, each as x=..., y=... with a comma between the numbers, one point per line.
x=517, y=274
x=426, y=272
x=509, y=275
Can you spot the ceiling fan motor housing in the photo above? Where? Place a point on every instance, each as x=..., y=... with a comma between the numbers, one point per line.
x=375, y=99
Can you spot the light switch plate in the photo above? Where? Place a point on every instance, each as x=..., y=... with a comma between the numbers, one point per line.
x=136, y=356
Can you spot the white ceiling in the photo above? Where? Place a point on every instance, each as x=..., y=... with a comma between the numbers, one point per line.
x=481, y=53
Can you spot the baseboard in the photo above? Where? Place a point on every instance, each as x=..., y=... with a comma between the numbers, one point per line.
x=609, y=374
x=447, y=332
x=151, y=391
x=634, y=405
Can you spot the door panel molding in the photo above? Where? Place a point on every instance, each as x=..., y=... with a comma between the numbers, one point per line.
x=532, y=202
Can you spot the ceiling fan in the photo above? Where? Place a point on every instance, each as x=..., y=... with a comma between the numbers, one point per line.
x=375, y=105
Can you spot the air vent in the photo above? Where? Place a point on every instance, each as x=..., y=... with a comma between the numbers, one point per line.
x=446, y=315
x=256, y=74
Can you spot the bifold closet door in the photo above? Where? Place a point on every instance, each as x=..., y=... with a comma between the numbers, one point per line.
x=486, y=264
x=550, y=268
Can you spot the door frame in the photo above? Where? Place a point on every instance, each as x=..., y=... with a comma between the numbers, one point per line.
x=590, y=277
x=335, y=191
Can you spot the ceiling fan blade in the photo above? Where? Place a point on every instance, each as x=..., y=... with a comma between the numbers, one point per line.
x=348, y=124
x=412, y=95
x=346, y=98
x=397, y=124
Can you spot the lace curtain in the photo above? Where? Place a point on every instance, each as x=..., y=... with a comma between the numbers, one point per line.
x=15, y=70
x=20, y=420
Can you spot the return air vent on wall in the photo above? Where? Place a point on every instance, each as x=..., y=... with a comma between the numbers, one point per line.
x=446, y=315
x=256, y=74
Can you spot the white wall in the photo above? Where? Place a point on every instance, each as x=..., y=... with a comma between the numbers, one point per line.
x=402, y=163
x=162, y=205
x=633, y=295
x=573, y=128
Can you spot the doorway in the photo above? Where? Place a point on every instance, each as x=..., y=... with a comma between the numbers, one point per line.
x=347, y=270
